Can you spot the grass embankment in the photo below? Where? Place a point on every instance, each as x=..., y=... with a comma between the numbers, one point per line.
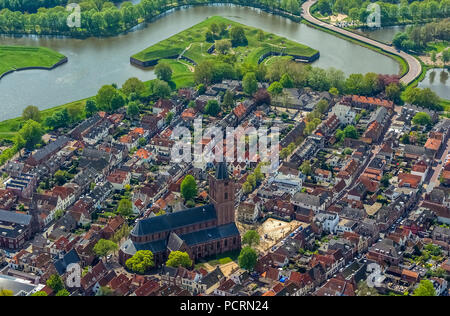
x=19, y=57
x=9, y=128
x=193, y=43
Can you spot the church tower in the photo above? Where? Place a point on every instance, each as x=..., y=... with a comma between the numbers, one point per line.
x=222, y=194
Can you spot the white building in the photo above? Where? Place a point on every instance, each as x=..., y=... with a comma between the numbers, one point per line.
x=344, y=113
x=286, y=183
x=328, y=221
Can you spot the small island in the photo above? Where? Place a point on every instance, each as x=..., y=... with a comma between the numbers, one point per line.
x=220, y=36
x=16, y=58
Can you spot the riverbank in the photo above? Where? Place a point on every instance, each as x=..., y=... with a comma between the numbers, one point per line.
x=148, y=15
x=19, y=58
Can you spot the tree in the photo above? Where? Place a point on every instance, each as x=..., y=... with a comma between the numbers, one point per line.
x=178, y=258
x=105, y=291
x=306, y=167
x=141, y=262
x=55, y=283
x=5, y=292
x=228, y=99
x=133, y=109
x=105, y=96
x=445, y=56
x=322, y=106
x=247, y=258
x=39, y=293
x=169, y=117
x=334, y=91
x=117, y=102
x=351, y=132
x=425, y=288
x=212, y=108
x=31, y=133
x=276, y=88
x=286, y=81
x=160, y=89
x=423, y=97
x=262, y=97
x=223, y=46
x=204, y=72
x=75, y=112
x=393, y=92
x=238, y=37
x=421, y=118
x=31, y=113
x=62, y=292
x=324, y=7
x=189, y=188
x=405, y=139
x=251, y=238
x=60, y=177
x=133, y=85
x=104, y=247
x=364, y=290
x=163, y=72
x=90, y=107
x=252, y=180
x=249, y=83
x=433, y=57
x=125, y=208
x=247, y=187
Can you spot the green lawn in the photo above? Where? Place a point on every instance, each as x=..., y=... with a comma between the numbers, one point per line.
x=9, y=128
x=195, y=38
x=16, y=57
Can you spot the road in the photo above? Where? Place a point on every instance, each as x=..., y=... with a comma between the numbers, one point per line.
x=415, y=68
x=434, y=181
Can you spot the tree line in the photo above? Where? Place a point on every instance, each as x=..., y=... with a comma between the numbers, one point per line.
x=284, y=73
x=100, y=17
x=30, y=6
x=392, y=12
x=418, y=36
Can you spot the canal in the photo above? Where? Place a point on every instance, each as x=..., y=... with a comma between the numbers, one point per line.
x=94, y=62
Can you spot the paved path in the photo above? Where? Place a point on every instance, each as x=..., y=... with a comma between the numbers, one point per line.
x=415, y=68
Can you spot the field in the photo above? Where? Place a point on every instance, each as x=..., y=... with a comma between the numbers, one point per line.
x=17, y=57
x=192, y=44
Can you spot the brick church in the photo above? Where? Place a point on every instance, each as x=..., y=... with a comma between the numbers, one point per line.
x=201, y=231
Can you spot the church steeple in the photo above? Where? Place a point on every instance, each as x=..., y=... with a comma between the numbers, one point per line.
x=222, y=194
x=221, y=171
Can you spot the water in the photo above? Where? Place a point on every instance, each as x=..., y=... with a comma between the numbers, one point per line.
x=383, y=34
x=94, y=62
x=437, y=79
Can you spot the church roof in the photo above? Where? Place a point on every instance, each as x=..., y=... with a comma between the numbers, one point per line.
x=215, y=233
x=175, y=242
x=175, y=220
x=191, y=239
